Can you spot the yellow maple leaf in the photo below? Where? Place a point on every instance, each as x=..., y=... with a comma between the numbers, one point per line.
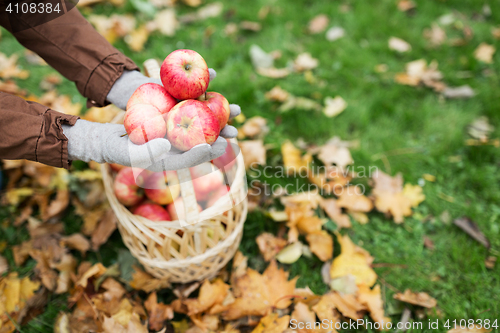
x=414, y=193
x=372, y=299
x=353, y=260
x=272, y=324
x=293, y=160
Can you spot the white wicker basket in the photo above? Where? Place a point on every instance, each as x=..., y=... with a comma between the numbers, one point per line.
x=208, y=239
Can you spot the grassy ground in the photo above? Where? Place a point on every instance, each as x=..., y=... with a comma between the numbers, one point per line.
x=383, y=115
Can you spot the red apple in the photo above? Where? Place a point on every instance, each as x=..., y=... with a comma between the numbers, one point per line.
x=162, y=187
x=216, y=195
x=144, y=122
x=206, y=178
x=176, y=209
x=126, y=189
x=154, y=94
x=191, y=123
x=152, y=211
x=226, y=160
x=218, y=104
x=184, y=74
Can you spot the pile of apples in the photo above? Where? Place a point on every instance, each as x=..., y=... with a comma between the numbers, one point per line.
x=156, y=195
x=181, y=110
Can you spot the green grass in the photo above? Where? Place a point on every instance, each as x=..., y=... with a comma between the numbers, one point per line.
x=383, y=115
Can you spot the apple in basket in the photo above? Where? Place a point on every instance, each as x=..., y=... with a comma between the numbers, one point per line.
x=226, y=161
x=144, y=122
x=206, y=178
x=116, y=167
x=127, y=190
x=162, y=187
x=190, y=123
x=176, y=209
x=152, y=211
x=214, y=196
x=154, y=94
x=219, y=106
x=184, y=74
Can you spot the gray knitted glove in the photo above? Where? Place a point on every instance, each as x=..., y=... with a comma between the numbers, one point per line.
x=124, y=87
x=89, y=141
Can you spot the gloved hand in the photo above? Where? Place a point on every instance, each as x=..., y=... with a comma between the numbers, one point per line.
x=125, y=86
x=89, y=141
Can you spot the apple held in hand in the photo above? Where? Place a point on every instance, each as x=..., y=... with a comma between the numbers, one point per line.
x=163, y=187
x=184, y=74
x=144, y=122
x=206, y=179
x=126, y=189
x=219, y=106
x=152, y=211
x=191, y=123
x=154, y=94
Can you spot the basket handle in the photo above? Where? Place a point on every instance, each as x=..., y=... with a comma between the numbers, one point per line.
x=152, y=69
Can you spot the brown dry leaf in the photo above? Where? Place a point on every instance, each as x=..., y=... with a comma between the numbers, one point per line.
x=76, y=242
x=277, y=94
x=10, y=69
x=406, y=5
x=490, y=261
x=4, y=265
x=477, y=329
x=253, y=152
x=104, y=229
x=495, y=32
x=145, y=282
x=333, y=180
x=304, y=62
x=293, y=160
x=44, y=269
x=415, y=298
x=137, y=38
x=333, y=210
x=251, y=26
x=389, y=197
x=435, y=35
x=256, y=294
x=113, y=26
x=300, y=103
x=158, y=313
x=273, y=73
x=335, y=151
x=124, y=321
x=66, y=268
x=306, y=318
x=318, y=24
x=326, y=310
x=418, y=72
x=255, y=126
x=272, y=323
x=57, y=206
x=348, y=305
x=269, y=245
x=165, y=22
x=102, y=115
x=353, y=260
x=471, y=228
x=372, y=299
x=321, y=244
x=399, y=45
x=354, y=201
x=193, y=3
x=334, y=106
x=210, y=294
x=484, y=52
x=95, y=271
x=22, y=252
x=480, y=129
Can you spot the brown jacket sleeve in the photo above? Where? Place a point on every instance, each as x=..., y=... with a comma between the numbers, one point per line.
x=71, y=45
x=31, y=131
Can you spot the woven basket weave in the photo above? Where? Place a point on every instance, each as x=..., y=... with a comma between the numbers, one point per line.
x=191, y=250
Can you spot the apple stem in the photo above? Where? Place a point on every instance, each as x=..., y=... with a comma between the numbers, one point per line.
x=121, y=136
x=187, y=67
